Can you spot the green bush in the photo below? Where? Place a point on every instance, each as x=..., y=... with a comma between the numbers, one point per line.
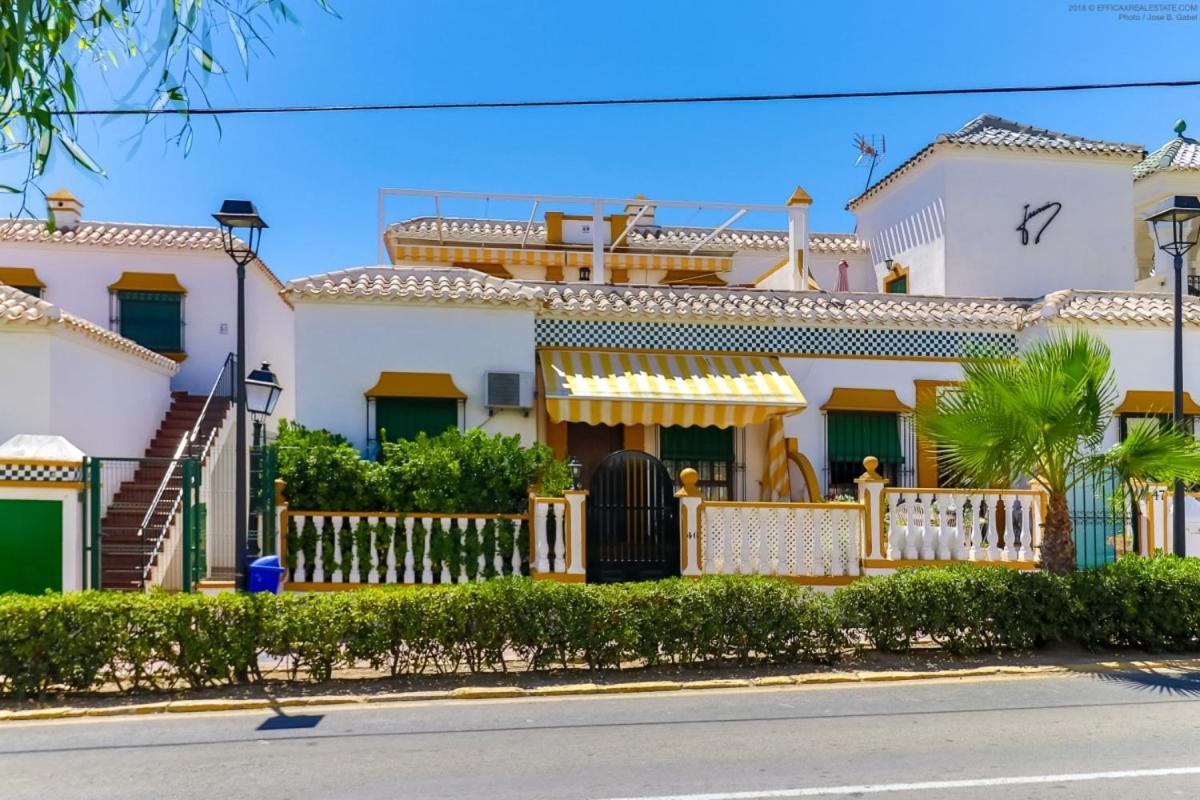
x=1147, y=603
x=77, y=642
x=324, y=472
x=454, y=472
x=962, y=608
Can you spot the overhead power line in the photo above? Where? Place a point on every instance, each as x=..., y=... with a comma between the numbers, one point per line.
x=626, y=101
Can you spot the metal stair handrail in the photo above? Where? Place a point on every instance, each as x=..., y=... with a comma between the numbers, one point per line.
x=185, y=447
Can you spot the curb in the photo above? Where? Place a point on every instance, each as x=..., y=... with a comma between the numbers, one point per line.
x=569, y=690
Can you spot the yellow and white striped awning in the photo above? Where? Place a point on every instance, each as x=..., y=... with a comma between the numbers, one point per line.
x=666, y=389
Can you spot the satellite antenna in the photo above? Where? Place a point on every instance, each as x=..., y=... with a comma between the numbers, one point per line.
x=871, y=148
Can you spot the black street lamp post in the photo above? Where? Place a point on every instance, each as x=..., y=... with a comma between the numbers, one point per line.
x=1175, y=232
x=236, y=216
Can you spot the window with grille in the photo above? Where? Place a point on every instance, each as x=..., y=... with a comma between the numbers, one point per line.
x=851, y=436
x=152, y=319
x=709, y=451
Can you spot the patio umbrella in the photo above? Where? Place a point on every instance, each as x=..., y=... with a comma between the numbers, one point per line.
x=843, y=284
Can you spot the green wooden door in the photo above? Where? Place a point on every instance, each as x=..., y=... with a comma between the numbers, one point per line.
x=30, y=546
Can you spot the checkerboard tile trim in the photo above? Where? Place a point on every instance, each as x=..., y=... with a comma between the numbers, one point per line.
x=789, y=340
x=15, y=471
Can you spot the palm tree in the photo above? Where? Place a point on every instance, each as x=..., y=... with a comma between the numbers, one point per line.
x=1043, y=415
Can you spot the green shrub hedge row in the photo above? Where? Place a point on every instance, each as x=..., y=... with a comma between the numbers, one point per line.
x=80, y=641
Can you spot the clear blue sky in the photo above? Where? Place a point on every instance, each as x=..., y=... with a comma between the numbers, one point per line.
x=314, y=177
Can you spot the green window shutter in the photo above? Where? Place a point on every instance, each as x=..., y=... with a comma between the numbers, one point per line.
x=404, y=417
x=853, y=435
x=898, y=286
x=153, y=320
x=35, y=291
x=702, y=444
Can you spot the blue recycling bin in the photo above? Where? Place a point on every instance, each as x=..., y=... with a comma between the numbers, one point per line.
x=266, y=575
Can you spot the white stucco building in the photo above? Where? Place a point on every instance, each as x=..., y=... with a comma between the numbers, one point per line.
x=596, y=325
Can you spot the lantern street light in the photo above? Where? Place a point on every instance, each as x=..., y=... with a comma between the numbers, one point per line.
x=262, y=393
x=236, y=217
x=1176, y=232
x=576, y=473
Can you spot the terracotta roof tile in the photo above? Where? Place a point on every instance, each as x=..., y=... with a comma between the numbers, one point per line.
x=122, y=234
x=1111, y=308
x=512, y=232
x=759, y=304
x=447, y=285
x=988, y=130
x=1180, y=153
x=715, y=304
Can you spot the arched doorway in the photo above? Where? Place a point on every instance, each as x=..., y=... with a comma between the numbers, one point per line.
x=633, y=520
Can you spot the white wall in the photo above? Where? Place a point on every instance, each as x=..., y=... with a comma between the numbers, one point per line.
x=342, y=347
x=77, y=278
x=907, y=223
x=818, y=377
x=105, y=402
x=1148, y=193
x=1143, y=359
x=861, y=272
x=953, y=221
x=25, y=378
x=1089, y=245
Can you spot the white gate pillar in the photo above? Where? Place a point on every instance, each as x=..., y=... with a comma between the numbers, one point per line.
x=870, y=493
x=690, y=503
x=576, y=531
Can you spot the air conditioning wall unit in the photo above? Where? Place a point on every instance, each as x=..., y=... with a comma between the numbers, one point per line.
x=508, y=390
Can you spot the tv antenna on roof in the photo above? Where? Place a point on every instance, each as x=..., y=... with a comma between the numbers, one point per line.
x=871, y=148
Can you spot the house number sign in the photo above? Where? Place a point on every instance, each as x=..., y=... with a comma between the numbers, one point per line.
x=1051, y=209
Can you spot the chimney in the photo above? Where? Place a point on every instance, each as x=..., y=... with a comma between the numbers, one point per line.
x=632, y=209
x=63, y=210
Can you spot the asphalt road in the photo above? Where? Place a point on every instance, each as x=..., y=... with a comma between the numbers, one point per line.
x=1111, y=736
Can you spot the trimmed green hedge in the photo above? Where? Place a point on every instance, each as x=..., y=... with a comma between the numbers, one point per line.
x=78, y=642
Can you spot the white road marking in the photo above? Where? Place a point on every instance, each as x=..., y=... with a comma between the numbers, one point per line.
x=884, y=788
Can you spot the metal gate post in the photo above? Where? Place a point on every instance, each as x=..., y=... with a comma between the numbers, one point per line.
x=94, y=533
x=189, y=526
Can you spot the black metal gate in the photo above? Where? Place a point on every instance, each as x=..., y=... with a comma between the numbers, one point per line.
x=633, y=520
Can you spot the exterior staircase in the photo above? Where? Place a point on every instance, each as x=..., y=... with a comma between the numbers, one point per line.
x=129, y=550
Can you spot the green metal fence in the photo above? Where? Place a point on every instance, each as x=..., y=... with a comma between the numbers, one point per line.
x=143, y=523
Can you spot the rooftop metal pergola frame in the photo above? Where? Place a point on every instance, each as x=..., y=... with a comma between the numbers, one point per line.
x=797, y=243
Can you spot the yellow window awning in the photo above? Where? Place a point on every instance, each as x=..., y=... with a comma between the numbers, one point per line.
x=21, y=277
x=437, y=385
x=1138, y=401
x=877, y=400
x=148, y=282
x=604, y=388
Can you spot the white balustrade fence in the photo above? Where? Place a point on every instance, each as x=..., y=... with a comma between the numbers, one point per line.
x=959, y=525
x=558, y=534
x=785, y=539
x=218, y=494
x=383, y=548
